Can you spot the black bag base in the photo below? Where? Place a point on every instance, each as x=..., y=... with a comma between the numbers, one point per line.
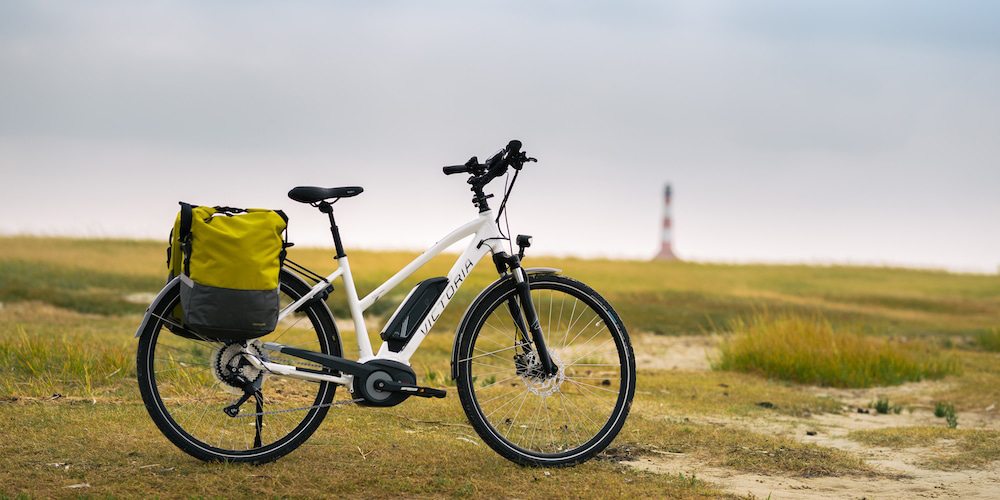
x=228, y=314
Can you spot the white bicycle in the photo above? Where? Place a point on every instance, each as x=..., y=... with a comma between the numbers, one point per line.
x=544, y=366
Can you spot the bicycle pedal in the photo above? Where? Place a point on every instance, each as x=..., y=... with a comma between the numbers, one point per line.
x=413, y=390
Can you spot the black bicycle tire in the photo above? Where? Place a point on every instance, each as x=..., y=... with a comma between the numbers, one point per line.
x=329, y=342
x=493, y=299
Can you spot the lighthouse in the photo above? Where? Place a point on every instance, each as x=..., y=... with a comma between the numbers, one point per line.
x=666, y=232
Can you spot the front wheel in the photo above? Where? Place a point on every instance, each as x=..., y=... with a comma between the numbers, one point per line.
x=526, y=415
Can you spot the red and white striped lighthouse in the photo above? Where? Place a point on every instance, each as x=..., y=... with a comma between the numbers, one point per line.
x=666, y=236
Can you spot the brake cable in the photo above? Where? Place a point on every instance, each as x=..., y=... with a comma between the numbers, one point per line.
x=502, y=212
x=510, y=187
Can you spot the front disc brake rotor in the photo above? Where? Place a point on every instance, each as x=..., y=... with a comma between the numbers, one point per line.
x=534, y=377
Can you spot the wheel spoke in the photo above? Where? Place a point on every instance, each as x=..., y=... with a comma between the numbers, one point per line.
x=185, y=396
x=541, y=419
x=491, y=353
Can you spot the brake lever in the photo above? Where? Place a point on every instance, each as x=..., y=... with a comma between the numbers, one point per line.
x=475, y=168
x=521, y=160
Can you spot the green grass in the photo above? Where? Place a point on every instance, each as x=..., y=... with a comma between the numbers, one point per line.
x=423, y=448
x=988, y=340
x=882, y=406
x=947, y=412
x=66, y=326
x=63, y=364
x=116, y=450
x=46, y=350
x=658, y=297
x=891, y=300
x=69, y=287
x=810, y=350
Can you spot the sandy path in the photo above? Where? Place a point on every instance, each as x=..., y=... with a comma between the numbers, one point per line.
x=903, y=477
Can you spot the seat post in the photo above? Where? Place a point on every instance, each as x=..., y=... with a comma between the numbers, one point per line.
x=328, y=210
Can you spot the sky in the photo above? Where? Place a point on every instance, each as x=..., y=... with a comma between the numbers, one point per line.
x=859, y=132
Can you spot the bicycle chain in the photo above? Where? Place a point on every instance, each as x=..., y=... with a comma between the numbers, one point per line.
x=333, y=403
x=297, y=362
x=293, y=362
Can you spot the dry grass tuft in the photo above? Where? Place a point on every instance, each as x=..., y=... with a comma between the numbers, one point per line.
x=809, y=350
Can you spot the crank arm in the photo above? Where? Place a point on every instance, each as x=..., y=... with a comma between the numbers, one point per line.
x=332, y=362
x=413, y=390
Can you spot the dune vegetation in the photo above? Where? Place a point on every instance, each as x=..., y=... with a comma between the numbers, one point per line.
x=73, y=423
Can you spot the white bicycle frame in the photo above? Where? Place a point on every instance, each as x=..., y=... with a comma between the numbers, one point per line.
x=486, y=239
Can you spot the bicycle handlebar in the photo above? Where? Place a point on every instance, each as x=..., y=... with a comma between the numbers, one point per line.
x=482, y=173
x=456, y=169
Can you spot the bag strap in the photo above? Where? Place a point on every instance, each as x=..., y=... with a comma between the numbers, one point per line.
x=187, y=215
x=184, y=236
x=284, y=239
x=229, y=210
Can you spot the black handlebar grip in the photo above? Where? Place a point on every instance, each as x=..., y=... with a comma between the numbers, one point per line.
x=514, y=147
x=455, y=169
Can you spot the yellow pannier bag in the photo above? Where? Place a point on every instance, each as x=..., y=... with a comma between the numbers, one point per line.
x=228, y=260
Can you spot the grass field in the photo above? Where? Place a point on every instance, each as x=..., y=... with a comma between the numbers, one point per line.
x=72, y=422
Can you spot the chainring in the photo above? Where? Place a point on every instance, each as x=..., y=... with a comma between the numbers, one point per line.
x=365, y=386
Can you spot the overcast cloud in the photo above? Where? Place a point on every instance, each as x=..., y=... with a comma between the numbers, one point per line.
x=833, y=132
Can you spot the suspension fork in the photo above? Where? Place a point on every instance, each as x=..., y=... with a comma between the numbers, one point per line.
x=523, y=312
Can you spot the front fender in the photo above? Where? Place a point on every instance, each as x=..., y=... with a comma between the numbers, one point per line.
x=149, y=310
x=475, y=303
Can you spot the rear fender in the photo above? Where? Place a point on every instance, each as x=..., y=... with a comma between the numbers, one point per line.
x=176, y=282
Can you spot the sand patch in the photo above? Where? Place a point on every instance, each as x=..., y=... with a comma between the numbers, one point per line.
x=900, y=472
x=661, y=352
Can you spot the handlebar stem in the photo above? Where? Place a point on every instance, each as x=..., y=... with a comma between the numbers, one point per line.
x=479, y=198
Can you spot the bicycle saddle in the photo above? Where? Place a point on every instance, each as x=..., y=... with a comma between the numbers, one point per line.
x=313, y=194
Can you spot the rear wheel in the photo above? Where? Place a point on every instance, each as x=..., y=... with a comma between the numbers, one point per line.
x=186, y=383
x=537, y=419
